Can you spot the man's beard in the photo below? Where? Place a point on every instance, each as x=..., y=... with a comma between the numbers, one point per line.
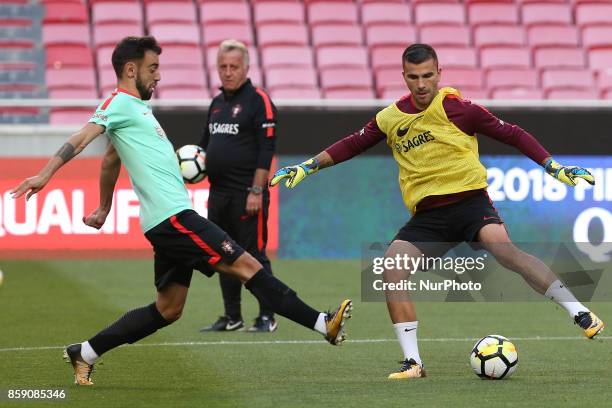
x=145, y=93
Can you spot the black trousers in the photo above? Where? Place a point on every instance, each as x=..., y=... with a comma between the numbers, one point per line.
x=228, y=211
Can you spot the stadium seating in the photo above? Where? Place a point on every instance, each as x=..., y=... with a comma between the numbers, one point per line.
x=307, y=48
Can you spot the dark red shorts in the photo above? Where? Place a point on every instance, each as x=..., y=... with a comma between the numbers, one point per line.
x=188, y=241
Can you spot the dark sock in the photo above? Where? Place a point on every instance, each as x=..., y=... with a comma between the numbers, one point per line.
x=129, y=328
x=264, y=310
x=281, y=299
x=230, y=289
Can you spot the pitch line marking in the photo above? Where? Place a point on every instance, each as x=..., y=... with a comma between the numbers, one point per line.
x=280, y=342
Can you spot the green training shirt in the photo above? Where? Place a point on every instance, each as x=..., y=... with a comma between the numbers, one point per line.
x=147, y=154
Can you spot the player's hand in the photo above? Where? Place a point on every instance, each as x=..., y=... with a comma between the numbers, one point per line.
x=96, y=218
x=295, y=174
x=568, y=174
x=253, y=203
x=31, y=186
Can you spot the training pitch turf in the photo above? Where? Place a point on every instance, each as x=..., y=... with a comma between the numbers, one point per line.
x=47, y=304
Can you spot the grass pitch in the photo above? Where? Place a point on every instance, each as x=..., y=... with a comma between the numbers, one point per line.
x=47, y=304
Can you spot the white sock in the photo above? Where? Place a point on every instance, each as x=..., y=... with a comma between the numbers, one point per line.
x=320, y=325
x=560, y=294
x=88, y=353
x=407, y=336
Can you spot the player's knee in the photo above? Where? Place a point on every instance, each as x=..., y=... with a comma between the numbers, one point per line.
x=246, y=266
x=172, y=313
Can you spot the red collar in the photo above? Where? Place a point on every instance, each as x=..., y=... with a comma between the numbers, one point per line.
x=125, y=91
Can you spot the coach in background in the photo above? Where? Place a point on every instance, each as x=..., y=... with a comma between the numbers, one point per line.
x=239, y=140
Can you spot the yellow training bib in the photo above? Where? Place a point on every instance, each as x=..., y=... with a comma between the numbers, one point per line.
x=433, y=155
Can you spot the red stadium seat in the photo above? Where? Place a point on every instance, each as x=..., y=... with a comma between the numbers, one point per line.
x=69, y=116
x=600, y=59
x=385, y=13
x=116, y=12
x=282, y=34
x=107, y=80
x=73, y=93
x=604, y=80
x=305, y=77
x=220, y=12
x=552, y=35
x=179, y=92
x=572, y=94
x=492, y=13
x=175, y=33
x=286, y=56
x=517, y=93
x=211, y=58
x=278, y=12
x=59, y=56
x=593, y=13
x=349, y=93
x=70, y=78
x=436, y=13
x=388, y=78
x=546, y=13
x=103, y=56
x=555, y=57
x=215, y=82
x=214, y=34
x=499, y=35
x=462, y=78
x=443, y=35
x=394, y=93
x=342, y=56
x=296, y=93
x=387, y=57
x=458, y=57
x=65, y=13
x=512, y=78
x=65, y=34
x=345, y=77
x=569, y=78
x=332, y=12
x=181, y=56
x=474, y=93
x=110, y=34
x=597, y=36
x=177, y=77
x=384, y=35
x=336, y=34
x=505, y=57
x=170, y=12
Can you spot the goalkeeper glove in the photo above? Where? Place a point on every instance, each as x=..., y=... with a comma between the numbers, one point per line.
x=568, y=174
x=295, y=174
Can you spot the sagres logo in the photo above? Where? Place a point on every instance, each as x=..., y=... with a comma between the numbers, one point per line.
x=416, y=141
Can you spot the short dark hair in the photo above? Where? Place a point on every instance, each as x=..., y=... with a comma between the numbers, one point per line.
x=133, y=48
x=419, y=53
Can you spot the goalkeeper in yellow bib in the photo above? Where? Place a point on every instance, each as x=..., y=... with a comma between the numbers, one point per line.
x=432, y=132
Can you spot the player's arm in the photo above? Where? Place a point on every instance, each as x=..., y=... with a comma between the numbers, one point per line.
x=73, y=146
x=343, y=150
x=473, y=118
x=109, y=173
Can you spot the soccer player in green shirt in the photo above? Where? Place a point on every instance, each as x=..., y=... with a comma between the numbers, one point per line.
x=182, y=240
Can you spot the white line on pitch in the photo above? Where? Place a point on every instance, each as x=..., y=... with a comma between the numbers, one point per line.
x=267, y=342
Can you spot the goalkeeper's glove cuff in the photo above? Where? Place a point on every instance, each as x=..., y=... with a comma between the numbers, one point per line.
x=310, y=166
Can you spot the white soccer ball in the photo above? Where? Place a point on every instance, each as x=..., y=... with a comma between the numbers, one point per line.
x=191, y=159
x=1, y=277
x=494, y=357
